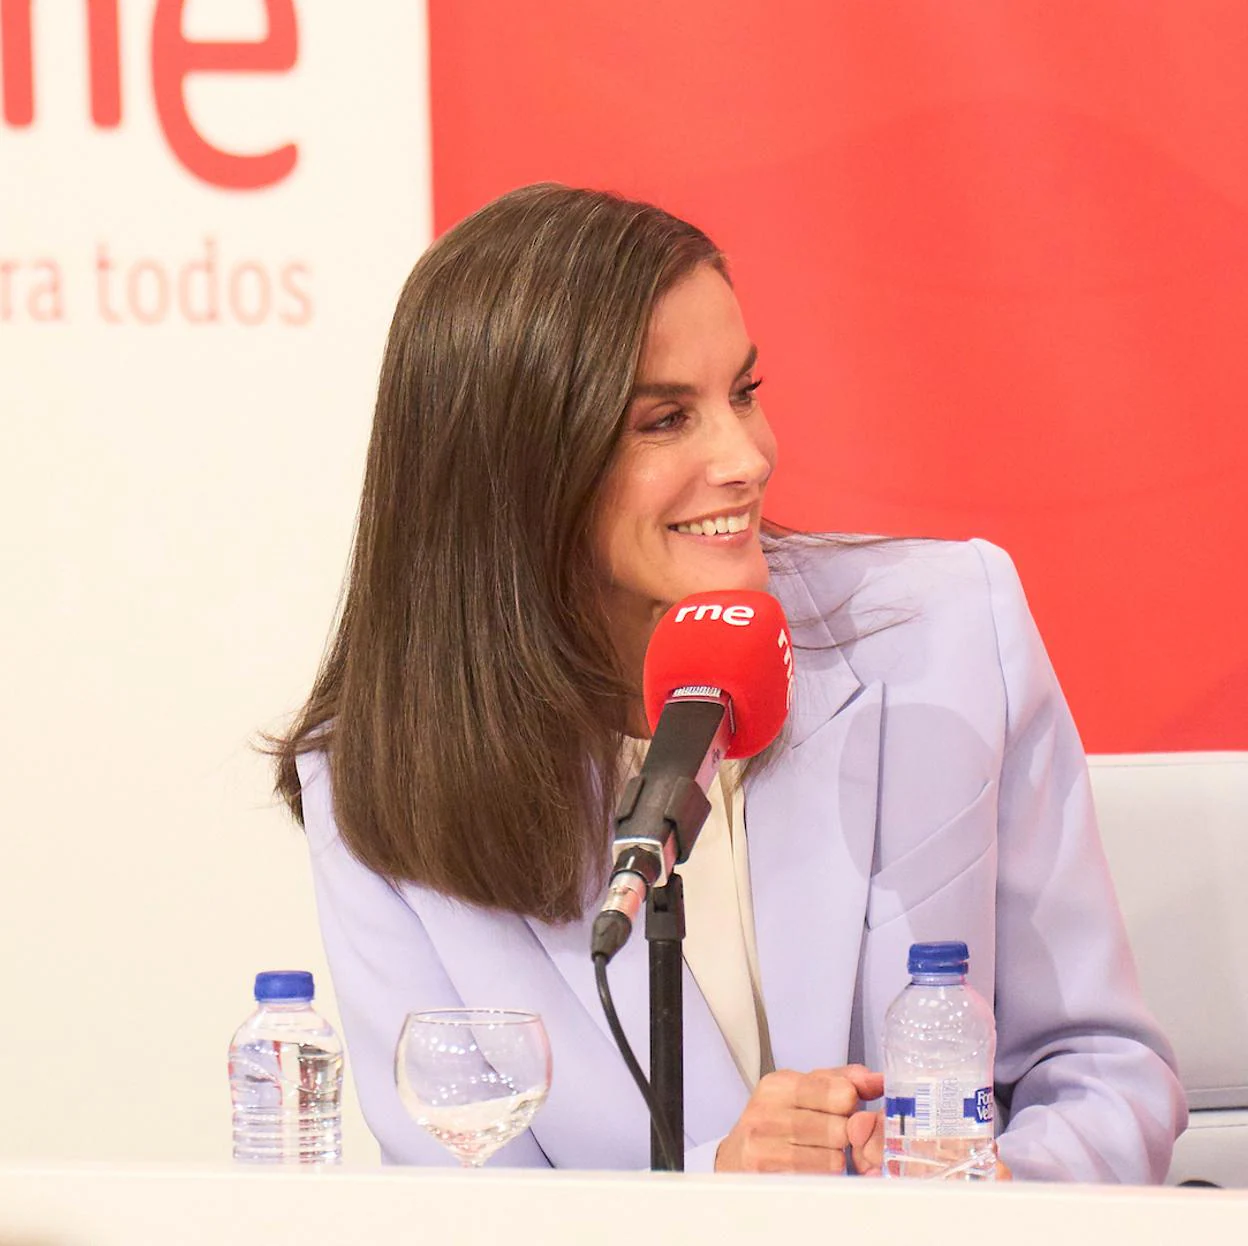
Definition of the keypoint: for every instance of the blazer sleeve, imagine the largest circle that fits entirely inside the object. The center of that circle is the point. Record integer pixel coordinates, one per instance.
(383, 965)
(1085, 1077)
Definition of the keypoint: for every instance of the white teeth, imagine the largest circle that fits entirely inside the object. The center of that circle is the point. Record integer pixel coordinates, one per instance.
(720, 525)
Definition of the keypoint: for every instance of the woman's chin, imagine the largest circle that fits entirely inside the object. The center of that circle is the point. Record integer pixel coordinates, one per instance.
(728, 576)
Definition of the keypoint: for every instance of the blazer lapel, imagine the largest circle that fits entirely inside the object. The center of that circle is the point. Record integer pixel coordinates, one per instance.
(810, 821)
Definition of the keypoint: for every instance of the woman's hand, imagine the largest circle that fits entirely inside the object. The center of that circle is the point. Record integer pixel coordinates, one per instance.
(805, 1122)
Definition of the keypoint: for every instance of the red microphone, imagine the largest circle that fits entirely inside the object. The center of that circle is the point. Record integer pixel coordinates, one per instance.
(735, 642)
(717, 682)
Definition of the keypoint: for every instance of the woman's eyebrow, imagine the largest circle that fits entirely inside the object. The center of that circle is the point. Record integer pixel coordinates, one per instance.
(681, 389)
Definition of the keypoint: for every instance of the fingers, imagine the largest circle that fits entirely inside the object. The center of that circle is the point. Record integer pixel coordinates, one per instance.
(805, 1122)
(865, 1132)
(825, 1090)
(869, 1085)
(753, 1153)
(809, 1159)
(799, 1126)
(818, 1129)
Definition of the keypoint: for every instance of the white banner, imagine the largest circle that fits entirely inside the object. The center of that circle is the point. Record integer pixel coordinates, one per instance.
(206, 212)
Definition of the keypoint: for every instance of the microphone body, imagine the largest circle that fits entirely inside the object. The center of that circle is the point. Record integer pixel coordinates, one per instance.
(717, 681)
(662, 809)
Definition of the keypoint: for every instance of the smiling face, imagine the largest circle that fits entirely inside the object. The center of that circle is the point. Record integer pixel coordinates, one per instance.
(682, 503)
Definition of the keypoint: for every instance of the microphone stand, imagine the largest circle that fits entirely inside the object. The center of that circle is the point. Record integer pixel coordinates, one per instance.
(667, 808)
(665, 930)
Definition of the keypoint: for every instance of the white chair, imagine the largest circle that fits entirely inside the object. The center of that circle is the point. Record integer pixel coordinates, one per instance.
(1175, 828)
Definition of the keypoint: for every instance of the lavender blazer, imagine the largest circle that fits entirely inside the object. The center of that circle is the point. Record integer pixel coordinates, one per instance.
(932, 786)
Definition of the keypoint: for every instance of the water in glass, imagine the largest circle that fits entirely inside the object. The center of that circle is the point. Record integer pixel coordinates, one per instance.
(473, 1077)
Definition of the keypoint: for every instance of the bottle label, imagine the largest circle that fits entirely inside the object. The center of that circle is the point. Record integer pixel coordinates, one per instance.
(979, 1106)
(940, 1107)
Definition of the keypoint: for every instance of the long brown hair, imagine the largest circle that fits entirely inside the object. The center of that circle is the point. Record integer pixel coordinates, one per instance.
(470, 702)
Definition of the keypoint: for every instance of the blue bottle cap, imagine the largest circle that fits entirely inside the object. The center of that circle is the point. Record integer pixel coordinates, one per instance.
(938, 958)
(285, 984)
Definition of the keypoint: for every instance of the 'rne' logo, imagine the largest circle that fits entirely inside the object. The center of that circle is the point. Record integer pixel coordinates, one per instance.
(174, 59)
(737, 616)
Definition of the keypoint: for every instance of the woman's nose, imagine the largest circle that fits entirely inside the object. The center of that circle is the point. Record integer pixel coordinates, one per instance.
(739, 452)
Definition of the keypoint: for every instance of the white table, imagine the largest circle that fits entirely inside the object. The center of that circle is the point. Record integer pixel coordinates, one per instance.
(229, 1206)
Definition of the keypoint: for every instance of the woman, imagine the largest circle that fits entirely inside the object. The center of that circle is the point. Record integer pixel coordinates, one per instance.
(568, 438)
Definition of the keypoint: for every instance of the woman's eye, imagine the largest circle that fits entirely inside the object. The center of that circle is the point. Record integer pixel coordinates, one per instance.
(744, 397)
(666, 422)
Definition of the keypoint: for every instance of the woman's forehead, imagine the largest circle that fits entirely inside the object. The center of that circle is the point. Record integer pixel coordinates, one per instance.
(696, 327)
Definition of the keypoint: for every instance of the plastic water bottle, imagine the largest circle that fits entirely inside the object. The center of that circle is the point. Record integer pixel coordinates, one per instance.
(286, 1077)
(939, 1043)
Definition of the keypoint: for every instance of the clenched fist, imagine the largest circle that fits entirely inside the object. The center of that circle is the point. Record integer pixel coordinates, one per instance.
(805, 1122)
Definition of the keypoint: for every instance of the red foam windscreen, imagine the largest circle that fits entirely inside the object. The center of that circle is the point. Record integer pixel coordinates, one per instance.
(736, 641)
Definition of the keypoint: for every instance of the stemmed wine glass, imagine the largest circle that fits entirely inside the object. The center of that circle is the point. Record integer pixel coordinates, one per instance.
(473, 1077)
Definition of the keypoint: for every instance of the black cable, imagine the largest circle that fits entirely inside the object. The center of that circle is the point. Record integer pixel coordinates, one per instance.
(621, 1041)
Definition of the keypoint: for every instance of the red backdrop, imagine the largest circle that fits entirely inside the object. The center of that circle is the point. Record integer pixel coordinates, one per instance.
(996, 260)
